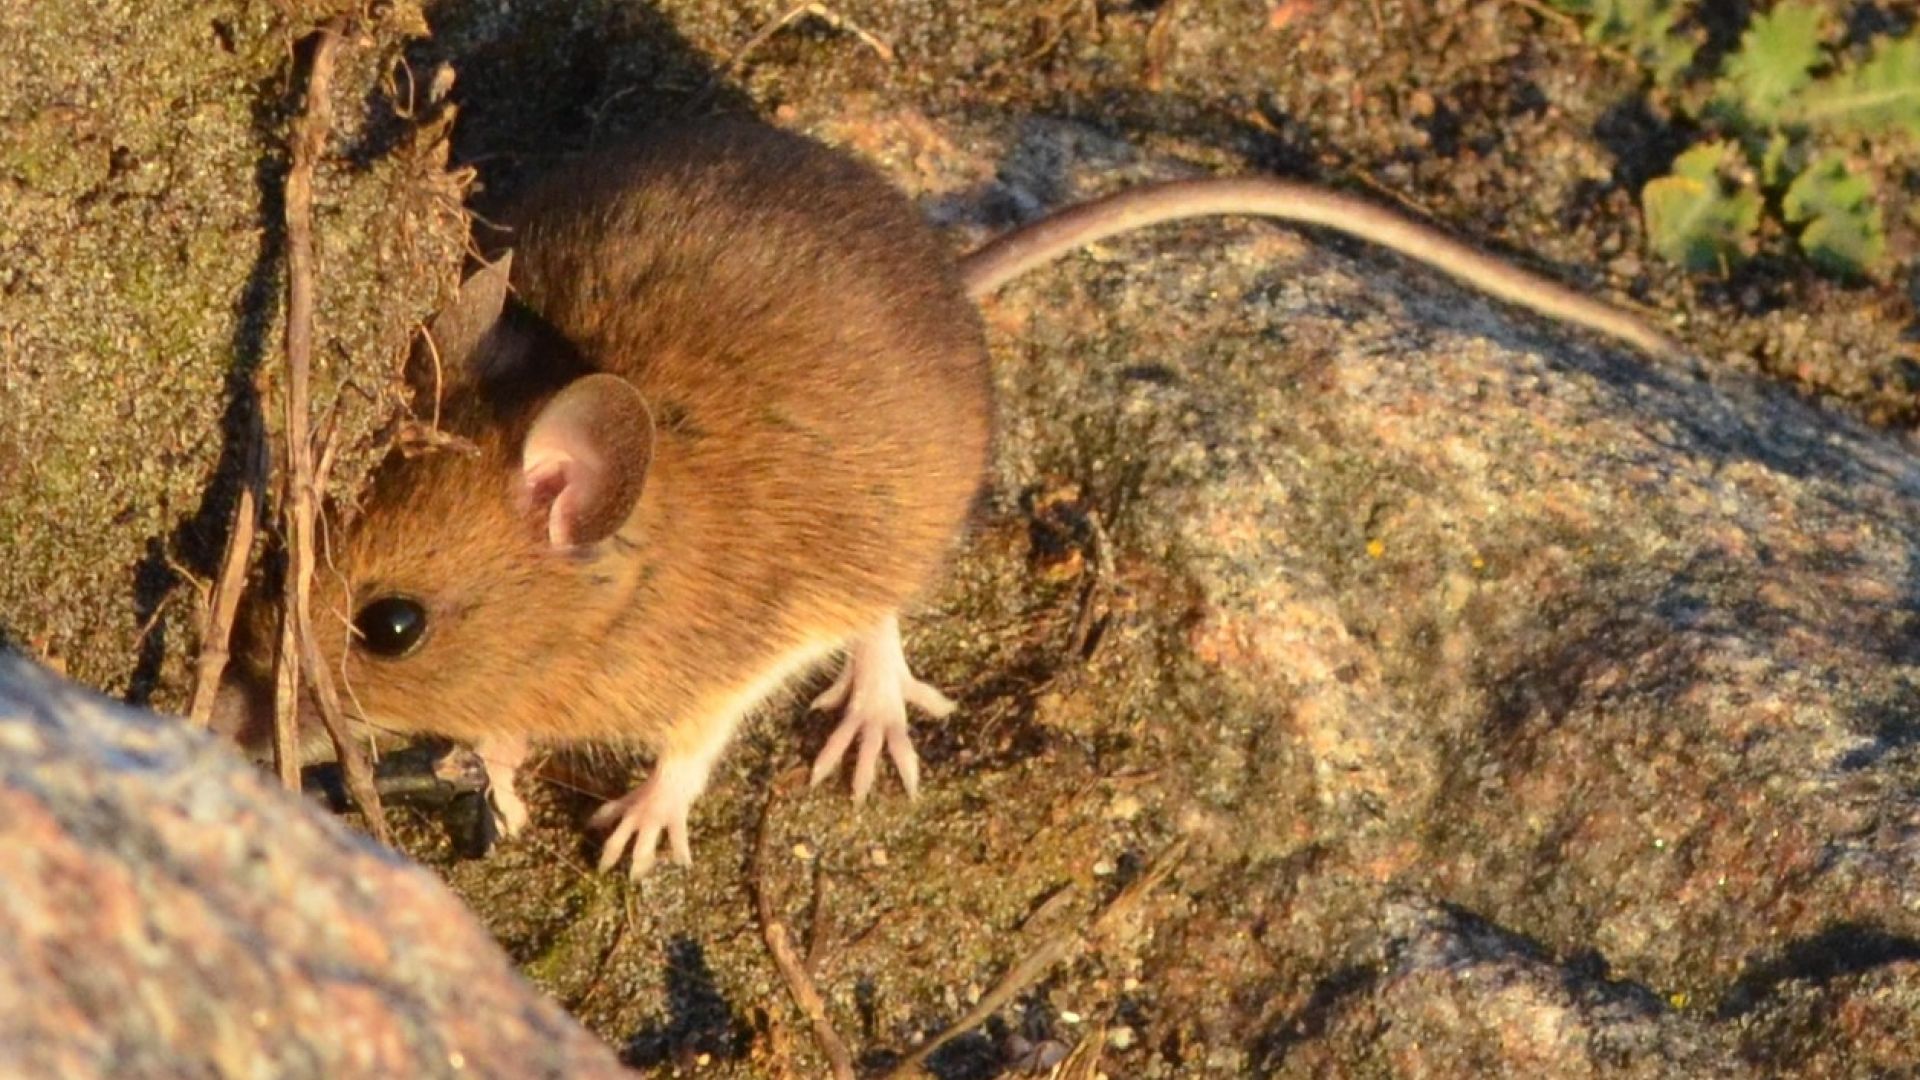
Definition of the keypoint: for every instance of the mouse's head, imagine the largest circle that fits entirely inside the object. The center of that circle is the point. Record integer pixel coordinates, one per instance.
(467, 576)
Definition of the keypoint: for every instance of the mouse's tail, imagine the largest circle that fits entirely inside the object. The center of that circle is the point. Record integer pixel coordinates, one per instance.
(1009, 256)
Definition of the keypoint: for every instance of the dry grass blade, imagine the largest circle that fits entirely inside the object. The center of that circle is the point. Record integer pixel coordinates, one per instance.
(224, 604)
(1160, 43)
(309, 136)
(798, 11)
(780, 943)
(1084, 1062)
(1056, 949)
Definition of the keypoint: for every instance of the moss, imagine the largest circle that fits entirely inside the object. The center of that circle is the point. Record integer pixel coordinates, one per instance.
(138, 203)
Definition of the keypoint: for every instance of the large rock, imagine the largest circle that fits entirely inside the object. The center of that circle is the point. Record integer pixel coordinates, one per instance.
(1537, 709)
(1533, 709)
(1618, 658)
(168, 914)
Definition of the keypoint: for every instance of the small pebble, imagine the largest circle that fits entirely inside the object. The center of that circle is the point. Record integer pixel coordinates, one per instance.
(1068, 1016)
(1103, 868)
(1121, 1038)
(803, 851)
(878, 856)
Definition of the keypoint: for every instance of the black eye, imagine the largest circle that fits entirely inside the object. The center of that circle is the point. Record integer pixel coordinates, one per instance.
(391, 626)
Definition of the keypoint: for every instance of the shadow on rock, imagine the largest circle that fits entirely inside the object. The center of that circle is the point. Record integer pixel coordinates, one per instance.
(1841, 950)
(604, 70)
(700, 1022)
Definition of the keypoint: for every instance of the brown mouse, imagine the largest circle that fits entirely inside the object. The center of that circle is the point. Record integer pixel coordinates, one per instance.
(730, 423)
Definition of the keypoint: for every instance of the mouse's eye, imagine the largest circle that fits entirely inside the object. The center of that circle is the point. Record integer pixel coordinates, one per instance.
(391, 626)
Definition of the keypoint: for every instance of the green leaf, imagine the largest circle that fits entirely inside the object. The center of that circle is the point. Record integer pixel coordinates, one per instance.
(1694, 218)
(1775, 156)
(1843, 233)
(1776, 61)
(1879, 95)
(1646, 29)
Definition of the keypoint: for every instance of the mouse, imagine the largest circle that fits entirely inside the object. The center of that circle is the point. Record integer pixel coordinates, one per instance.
(720, 414)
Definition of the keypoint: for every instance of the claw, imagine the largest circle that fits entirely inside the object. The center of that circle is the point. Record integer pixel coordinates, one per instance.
(836, 695)
(875, 688)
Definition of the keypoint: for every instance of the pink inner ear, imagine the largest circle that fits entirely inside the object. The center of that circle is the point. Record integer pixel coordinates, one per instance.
(561, 485)
(584, 461)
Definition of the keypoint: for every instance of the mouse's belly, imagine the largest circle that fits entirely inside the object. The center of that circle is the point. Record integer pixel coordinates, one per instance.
(659, 697)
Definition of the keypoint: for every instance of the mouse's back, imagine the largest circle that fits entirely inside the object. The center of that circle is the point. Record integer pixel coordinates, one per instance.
(814, 412)
(797, 328)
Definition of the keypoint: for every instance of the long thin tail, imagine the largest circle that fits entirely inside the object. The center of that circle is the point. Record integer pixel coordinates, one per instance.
(1009, 256)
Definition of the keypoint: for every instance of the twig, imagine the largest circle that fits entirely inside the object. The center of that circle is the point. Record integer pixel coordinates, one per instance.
(1572, 25)
(819, 919)
(1412, 205)
(1551, 15)
(1089, 623)
(1058, 21)
(760, 37)
(1057, 949)
(1083, 1063)
(309, 136)
(1160, 43)
(224, 604)
(439, 374)
(799, 984)
(286, 700)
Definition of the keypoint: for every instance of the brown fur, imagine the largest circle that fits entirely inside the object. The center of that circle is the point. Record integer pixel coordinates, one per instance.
(819, 389)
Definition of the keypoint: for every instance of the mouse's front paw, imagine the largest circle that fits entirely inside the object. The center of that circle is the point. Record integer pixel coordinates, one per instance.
(501, 757)
(509, 810)
(874, 689)
(640, 816)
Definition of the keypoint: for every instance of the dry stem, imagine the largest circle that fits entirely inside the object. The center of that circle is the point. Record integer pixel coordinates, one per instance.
(224, 604)
(1059, 948)
(780, 943)
(309, 136)
(807, 7)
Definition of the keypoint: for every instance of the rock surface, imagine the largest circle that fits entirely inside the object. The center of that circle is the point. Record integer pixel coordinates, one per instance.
(142, 157)
(168, 914)
(1539, 711)
(1532, 710)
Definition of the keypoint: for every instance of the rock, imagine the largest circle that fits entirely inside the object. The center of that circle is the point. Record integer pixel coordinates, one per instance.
(168, 913)
(1450, 996)
(1436, 601)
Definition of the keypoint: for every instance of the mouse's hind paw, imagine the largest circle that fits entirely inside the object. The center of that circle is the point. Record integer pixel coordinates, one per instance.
(874, 689)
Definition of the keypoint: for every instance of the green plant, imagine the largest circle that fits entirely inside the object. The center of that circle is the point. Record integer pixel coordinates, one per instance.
(1697, 216)
(1646, 29)
(1789, 126)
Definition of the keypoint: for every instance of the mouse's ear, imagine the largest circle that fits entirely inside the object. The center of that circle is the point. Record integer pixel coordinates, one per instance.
(459, 328)
(585, 459)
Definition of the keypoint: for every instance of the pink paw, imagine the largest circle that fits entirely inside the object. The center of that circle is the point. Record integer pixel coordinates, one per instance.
(875, 688)
(502, 758)
(509, 810)
(657, 807)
